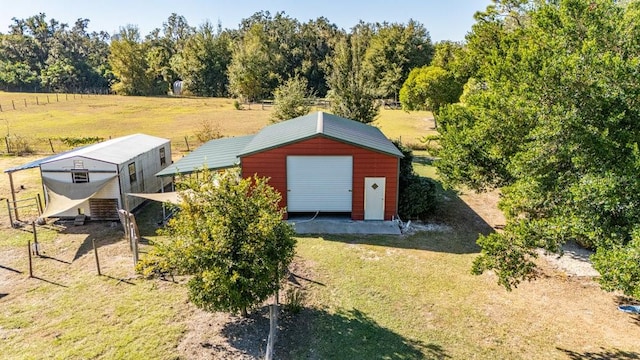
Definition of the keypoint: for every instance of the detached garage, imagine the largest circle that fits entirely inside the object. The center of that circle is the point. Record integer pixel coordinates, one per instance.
(319, 162)
(324, 163)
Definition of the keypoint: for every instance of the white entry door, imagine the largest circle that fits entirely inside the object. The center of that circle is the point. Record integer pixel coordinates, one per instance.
(374, 198)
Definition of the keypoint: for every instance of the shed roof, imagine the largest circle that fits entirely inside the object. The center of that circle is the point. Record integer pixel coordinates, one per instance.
(320, 123)
(215, 154)
(116, 151)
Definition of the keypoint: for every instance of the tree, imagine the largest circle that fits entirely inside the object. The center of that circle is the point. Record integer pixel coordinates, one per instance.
(429, 88)
(291, 100)
(230, 236)
(202, 64)
(554, 123)
(394, 50)
(249, 71)
(352, 92)
(318, 44)
(128, 60)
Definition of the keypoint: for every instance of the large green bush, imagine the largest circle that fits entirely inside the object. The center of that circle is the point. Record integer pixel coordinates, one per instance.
(417, 197)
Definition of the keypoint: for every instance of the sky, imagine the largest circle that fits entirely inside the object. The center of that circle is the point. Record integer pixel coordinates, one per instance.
(444, 19)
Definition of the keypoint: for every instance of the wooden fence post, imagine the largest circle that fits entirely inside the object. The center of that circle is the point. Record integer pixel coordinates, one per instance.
(9, 209)
(273, 327)
(25, 102)
(95, 252)
(57, 97)
(30, 263)
(13, 104)
(48, 100)
(51, 144)
(6, 141)
(0, 108)
(37, 102)
(39, 199)
(35, 239)
(187, 142)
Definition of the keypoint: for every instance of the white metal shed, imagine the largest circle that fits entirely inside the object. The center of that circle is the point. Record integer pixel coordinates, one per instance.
(94, 179)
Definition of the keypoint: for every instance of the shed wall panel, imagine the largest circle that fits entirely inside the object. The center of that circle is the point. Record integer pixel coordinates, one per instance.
(366, 163)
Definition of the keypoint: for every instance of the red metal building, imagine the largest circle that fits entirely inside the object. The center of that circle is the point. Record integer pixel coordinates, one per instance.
(319, 162)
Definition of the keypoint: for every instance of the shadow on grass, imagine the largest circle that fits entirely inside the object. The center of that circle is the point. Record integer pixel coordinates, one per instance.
(10, 269)
(46, 257)
(604, 354)
(317, 334)
(120, 280)
(103, 232)
(49, 281)
(454, 228)
(3, 295)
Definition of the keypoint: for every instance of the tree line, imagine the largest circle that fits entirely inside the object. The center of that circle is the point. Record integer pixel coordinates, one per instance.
(550, 116)
(249, 62)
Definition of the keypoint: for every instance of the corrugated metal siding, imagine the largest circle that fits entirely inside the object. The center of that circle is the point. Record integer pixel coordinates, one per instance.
(366, 163)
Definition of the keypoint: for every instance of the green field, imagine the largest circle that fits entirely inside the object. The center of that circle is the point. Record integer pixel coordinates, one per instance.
(108, 116)
(366, 297)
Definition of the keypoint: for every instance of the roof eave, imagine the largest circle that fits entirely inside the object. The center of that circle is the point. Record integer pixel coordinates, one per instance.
(324, 135)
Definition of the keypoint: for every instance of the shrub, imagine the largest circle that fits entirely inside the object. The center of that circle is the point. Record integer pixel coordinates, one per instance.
(417, 195)
(208, 131)
(19, 145)
(237, 105)
(417, 198)
(294, 300)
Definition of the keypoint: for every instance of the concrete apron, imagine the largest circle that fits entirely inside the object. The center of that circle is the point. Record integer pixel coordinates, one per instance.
(345, 226)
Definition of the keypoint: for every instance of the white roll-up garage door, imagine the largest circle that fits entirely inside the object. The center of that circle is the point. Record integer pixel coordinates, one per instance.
(319, 183)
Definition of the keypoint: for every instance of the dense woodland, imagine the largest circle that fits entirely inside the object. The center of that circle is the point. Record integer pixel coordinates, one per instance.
(250, 61)
(541, 102)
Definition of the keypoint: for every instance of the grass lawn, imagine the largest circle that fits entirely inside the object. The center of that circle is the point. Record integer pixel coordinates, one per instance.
(366, 297)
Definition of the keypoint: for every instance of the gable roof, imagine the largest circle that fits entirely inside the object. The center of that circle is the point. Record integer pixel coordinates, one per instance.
(115, 151)
(324, 124)
(215, 154)
(226, 152)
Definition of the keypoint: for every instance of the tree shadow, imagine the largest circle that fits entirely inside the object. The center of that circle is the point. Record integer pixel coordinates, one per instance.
(3, 295)
(317, 334)
(603, 354)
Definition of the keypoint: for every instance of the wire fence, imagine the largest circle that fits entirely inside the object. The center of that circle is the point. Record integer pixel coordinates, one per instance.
(25, 101)
(22, 145)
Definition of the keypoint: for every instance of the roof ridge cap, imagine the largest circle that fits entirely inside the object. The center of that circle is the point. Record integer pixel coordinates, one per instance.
(320, 123)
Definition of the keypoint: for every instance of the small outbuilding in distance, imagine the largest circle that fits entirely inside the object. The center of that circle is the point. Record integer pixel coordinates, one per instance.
(319, 162)
(93, 180)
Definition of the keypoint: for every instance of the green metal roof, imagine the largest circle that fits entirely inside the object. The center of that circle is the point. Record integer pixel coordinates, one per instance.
(215, 154)
(324, 124)
(224, 153)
